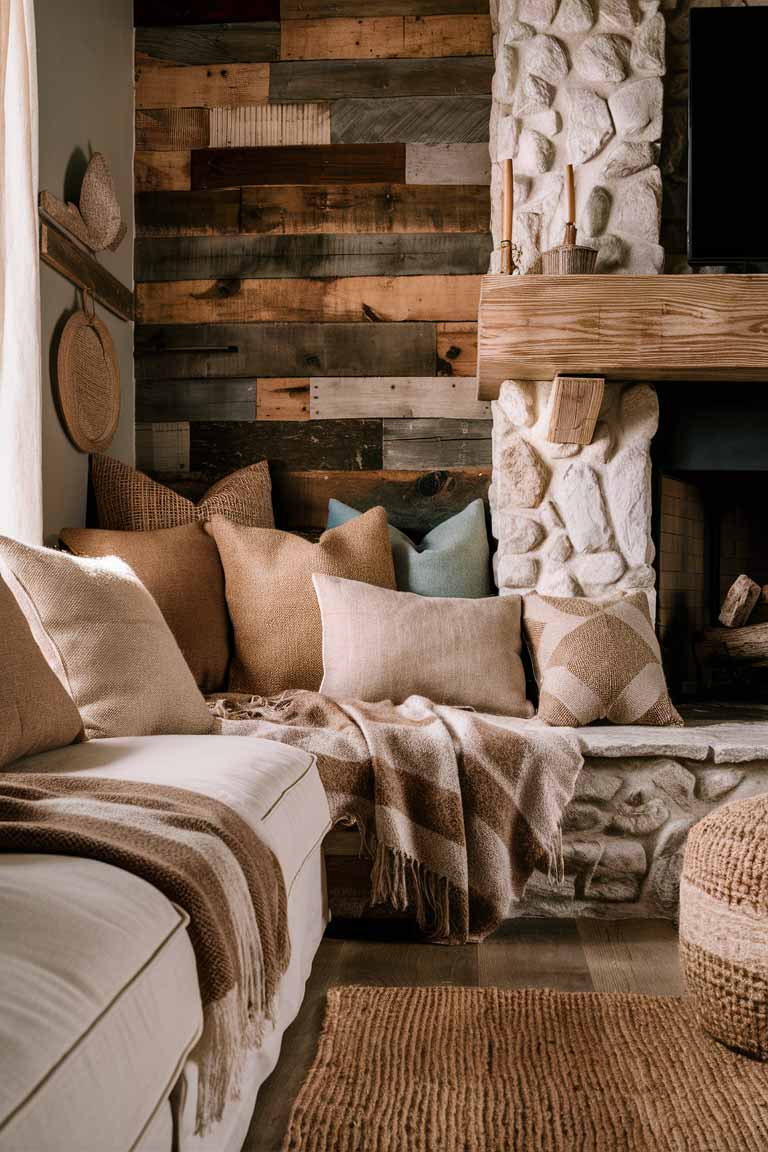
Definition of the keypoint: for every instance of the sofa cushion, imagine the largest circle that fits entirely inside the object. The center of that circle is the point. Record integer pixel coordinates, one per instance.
(105, 638)
(451, 560)
(99, 1003)
(129, 501)
(276, 620)
(181, 568)
(36, 713)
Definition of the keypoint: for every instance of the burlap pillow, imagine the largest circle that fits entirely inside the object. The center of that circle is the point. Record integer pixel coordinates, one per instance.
(382, 645)
(274, 610)
(129, 501)
(105, 638)
(595, 660)
(36, 714)
(182, 570)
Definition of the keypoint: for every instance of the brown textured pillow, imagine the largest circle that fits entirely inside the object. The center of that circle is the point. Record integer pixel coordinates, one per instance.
(105, 638)
(181, 568)
(274, 610)
(595, 660)
(36, 714)
(382, 645)
(129, 501)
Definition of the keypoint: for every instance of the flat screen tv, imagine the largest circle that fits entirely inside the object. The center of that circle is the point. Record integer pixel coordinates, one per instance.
(727, 219)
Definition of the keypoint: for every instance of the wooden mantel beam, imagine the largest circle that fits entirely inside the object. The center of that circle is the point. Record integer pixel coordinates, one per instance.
(624, 327)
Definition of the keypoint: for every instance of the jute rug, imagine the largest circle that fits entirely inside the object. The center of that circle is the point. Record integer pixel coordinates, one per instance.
(506, 1070)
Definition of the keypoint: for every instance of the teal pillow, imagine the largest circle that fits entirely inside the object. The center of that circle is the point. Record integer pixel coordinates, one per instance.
(452, 560)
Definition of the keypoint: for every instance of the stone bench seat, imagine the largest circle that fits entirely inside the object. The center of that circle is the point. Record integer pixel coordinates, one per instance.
(720, 733)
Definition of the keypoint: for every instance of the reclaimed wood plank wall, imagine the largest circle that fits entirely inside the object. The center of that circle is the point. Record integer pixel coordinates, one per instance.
(312, 222)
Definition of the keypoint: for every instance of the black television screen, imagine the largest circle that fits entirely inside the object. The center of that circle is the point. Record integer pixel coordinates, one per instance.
(727, 222)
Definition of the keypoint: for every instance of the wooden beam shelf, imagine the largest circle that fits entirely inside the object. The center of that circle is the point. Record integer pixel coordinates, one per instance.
(84, 271)
(624, 327)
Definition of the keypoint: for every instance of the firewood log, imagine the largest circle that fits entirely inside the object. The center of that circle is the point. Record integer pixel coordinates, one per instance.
(740, 599)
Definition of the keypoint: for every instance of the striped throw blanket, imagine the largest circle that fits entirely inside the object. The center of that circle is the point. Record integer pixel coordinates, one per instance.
(204, 858)
(456, 808)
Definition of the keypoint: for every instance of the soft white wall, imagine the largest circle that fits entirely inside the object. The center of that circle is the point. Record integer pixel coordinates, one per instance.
(85, 79)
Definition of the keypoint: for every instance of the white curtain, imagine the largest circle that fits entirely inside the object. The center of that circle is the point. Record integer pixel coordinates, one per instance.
(21, 502)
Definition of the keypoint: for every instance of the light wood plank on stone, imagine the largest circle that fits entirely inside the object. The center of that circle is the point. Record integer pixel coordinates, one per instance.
(632, 956)
(162, 85)
(282, 398)
(222, 43)
(409, 444)
(254, 125)
(350, 398)
(161, 171)
(411, 120)
(447, 164)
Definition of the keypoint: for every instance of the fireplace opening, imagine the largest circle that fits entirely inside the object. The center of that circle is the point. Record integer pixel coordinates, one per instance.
(710, 490)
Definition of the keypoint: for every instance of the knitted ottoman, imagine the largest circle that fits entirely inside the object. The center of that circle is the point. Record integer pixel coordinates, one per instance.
(724, 924)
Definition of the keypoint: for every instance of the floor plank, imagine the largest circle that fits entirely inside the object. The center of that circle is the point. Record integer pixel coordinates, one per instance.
(535, 954)
(632, 956)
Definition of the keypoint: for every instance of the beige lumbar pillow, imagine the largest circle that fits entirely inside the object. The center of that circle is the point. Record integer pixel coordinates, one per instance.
(105, 638)
(597, 660)
(36, 714)
(382, 645)
(272, 604)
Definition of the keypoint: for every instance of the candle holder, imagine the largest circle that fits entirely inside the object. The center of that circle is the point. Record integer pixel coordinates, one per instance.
(569, 258)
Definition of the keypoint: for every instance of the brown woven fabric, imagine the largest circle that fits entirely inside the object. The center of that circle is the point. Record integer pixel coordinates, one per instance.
(272, 603)
(181, 568)
(724, 923)
(596, 660)
(201, 855)
(456, 809)
(522, 1070)
(36, 714)
(129, 501)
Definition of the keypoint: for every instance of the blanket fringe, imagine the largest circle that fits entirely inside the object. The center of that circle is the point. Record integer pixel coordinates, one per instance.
(555, 859)
(402, 882)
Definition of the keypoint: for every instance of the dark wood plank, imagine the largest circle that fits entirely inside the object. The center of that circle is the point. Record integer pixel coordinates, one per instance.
(430, 443)
(188, 213)
(302, 9)
(211, 43)
(337, 79)
(297, 164)
(366, 208)
(166, 13)
(536, 953)
(171, 129)
(412, 120)
(172, 400)
(187, 352)
(84, 270)
(415, 501)
(269, 257)
(218, 448)
(397, 965)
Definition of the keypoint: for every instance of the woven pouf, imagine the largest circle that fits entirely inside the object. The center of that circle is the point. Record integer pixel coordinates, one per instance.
(724, 924)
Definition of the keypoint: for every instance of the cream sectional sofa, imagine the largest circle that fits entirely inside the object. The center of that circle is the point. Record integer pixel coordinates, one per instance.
(100, 1007)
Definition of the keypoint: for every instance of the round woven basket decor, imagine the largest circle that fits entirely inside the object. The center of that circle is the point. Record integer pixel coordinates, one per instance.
(88, 383)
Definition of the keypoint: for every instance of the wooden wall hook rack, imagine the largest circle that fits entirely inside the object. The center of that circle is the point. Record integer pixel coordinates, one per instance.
(84, 271)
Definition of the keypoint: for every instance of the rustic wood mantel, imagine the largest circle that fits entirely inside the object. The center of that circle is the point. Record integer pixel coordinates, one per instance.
(624, 327)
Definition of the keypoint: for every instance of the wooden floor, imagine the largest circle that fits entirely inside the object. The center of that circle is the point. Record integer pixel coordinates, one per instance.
(575, 956)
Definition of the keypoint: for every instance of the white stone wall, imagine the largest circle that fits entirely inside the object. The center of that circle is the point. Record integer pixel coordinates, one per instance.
(573, 520)
(579, 81)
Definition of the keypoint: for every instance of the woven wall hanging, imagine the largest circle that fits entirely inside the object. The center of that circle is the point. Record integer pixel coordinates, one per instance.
(87, 381)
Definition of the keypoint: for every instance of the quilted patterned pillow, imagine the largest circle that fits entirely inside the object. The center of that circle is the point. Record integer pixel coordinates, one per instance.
(595, 660)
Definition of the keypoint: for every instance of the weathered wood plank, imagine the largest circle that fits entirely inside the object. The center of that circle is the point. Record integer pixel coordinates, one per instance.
(326, 9)
(217, 448)
(171, 129)
(195, 400)
(187, 213)
(343, 300)
(282, 398)
(161, 13)
(345, 398)
(456, 349)
(385, 37)
(183, 352)
(411, 119)
(448, 164)
(410, 444)
(162, 85)
(415, 501)
(161, 171)
(369, 208)
(255, 125)
(335, 79)
(84, 270)
(322, 164)
(163, 447)
(269, 257)
(212, 43)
